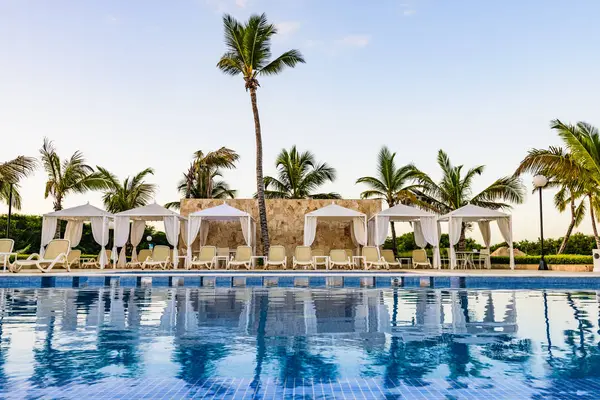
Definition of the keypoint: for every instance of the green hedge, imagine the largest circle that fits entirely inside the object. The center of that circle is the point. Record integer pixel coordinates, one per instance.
(550, 259)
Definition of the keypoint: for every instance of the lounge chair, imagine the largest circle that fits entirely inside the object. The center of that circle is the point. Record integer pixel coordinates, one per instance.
(303, 257)
(318, 258)
(388, 256)
(6, 250)
(142, 256)
(74, 258)
(56, 254)
(95, 261)
(339, 258)
(419, 258)
(206, 258)
(161, 258)
(373, 259)
(484, 254)
(243, 258)
(277, 257)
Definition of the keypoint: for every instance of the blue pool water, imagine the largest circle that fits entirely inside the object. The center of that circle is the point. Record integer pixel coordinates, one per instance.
(294, 342)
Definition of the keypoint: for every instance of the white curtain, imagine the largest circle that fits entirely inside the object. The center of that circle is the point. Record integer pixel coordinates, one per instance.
(379, 230)
(454, 229)
(172, 232)
(100, 233)
(310, 230)
(48, 232)
(430, 229)
(193, 226)
(183, 232)
(353, 235)
(486, 233)
(73, 232)
(137, 233)
(359, 230)
(121, 235)
(418, 233)
(246, 230)
(505, 225)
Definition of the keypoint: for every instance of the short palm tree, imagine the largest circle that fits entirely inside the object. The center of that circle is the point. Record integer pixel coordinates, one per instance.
(455, 190)
(298, 176)
(133, 192)
(11, 172)
(249, 54)
(393, 184)
(71, 175)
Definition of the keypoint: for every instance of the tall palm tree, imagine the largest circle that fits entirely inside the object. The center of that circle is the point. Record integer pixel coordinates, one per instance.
(392, 184)
(249, 54)
(71, 175)
(133, 192)
(455, 190)
(298, 176)
(11, 172)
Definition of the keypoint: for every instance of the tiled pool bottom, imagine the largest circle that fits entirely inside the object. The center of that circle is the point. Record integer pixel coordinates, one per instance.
(262, 342)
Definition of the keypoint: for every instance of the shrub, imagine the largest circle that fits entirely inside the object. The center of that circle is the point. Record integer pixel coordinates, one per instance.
(550, 259)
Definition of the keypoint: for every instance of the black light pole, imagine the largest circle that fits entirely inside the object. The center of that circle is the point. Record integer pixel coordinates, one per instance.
(539, 181)
(10, 195)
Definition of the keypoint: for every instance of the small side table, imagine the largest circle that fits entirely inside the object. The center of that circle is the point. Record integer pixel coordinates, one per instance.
(359, 261)
(7, 258)
(324, 259)
(221, 258)
(179, 259)
(407, 259)
(255, 258)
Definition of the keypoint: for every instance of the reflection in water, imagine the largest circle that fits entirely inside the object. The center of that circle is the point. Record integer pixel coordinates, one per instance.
(56, 337)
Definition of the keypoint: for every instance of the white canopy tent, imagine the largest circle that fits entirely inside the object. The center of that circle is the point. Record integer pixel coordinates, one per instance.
(426, 228)
(198, 224)
(333, 212)
(483, 216)
(75, 218)
(139, 216)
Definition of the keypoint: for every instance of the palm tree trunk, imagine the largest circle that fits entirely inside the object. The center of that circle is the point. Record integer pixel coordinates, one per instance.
(563, 245)
(395, 245)
(462, 242)
(594, 228)
(260, 185)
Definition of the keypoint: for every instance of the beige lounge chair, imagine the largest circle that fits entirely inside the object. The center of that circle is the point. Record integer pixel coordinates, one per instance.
(142, 256)
(303, 257)
(339, 258)
(317, 258)
(388, 256)
(277, 257)
(206, 258)
(95, 262)
(243, 258)
(56, 254)
(373, 259)
(419, 258)
(6, 250)
(484, 254)
(74, 258)
(161, 258)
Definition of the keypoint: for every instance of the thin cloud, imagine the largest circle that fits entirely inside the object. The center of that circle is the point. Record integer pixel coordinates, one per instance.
(111, 19)
(287, 28)
(408, 13)
(354, 41)
(241, 3)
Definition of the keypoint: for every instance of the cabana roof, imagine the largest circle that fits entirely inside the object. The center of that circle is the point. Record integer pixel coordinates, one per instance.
(82, 212)
(221, 212)
(471, 212)
(151, 212)
(333, 211)
(401, 212)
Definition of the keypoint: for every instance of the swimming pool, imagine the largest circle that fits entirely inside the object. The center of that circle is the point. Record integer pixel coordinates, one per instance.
(323, 342)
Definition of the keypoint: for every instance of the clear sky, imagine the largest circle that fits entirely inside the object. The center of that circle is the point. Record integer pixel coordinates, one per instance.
(133, 84)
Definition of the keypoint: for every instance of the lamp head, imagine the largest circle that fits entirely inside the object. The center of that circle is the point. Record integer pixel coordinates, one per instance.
(539, 181)
(149, 238)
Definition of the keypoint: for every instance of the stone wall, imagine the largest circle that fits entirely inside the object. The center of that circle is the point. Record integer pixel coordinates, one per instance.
(286, 223)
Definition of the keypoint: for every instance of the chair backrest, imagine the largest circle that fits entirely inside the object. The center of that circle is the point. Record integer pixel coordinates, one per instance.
(303, 253)
(207, 253)
(349, 253)
(55, 247)
(161, 253)
(419, 256)
(108, 254)
(448, 252)
(144, 254)
(6, 245)
(388, 255)
(370, 253)
(318, 253)
(223, 251)
(484, 252)
(243, 253)
(74, 256)
(276, 253)
(338, 255)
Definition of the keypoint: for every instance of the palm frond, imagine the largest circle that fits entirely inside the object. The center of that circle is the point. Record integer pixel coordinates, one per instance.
(290, 59)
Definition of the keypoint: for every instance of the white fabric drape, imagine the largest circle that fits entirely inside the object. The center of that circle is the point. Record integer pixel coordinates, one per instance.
(73, 232)
(505, 226)
(454, 229)
(310, 230)
(100, 233)
(137, 234)
(121, 235)
(430, 229)
(379, 230)
(353, 235)
(172, 233)
(359, 231)
(418, 233)
(246, 230)
(486, 234)
(183, 232)
(48, 232)
(193, 227)
(204, 232)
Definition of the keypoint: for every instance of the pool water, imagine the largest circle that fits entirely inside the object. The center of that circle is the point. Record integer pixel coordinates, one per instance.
(317, 343)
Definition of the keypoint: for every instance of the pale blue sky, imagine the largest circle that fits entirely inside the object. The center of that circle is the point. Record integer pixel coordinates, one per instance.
(133, 84)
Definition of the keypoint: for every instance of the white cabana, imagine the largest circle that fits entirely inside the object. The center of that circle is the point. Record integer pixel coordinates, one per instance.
(198, 224)
(139, 216)
(333, 212)
(483, 216)
(425, 225)
(75, 218)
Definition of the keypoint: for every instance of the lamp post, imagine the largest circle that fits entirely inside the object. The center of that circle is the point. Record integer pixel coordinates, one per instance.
(10, 200)
(149, 240)
(540, 181)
